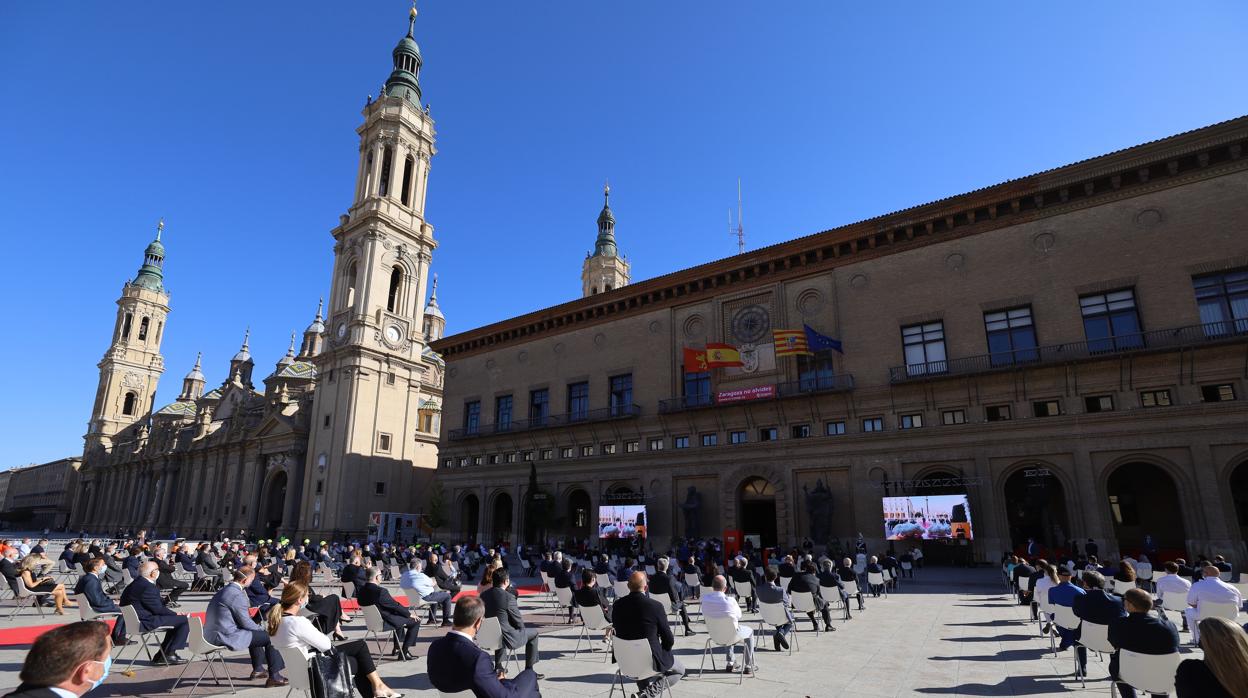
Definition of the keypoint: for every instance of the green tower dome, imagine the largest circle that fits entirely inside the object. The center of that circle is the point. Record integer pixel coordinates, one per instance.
(152, 275)
(404, 80)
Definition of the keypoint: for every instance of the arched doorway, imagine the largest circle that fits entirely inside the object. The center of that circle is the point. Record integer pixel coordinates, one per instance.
(578, 522)
(1144, 501)
(502, 518)
(1239, 494)
(758, 511)
(1035, 507)
(470, 515)
(274, 503)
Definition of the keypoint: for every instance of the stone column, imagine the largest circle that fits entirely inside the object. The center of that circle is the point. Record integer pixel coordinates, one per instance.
(1208, 508)
(294, 492)
(166, 498)
(1089, 508)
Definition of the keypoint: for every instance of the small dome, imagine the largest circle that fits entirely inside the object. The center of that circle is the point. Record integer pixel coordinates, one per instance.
(432, 309)
(408, 45)
(195, 374)
(155, 249)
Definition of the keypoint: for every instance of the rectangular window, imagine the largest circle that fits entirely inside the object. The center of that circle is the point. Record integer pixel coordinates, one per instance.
(800, 431)
(320, 484)
(578, 401)
(710, 439)
(949, 417)
(834, 428)
(697, 389)
(463, 462)
(924, 346)
(1110, 321)
(565, 452)
(390, 378)
(815, 372)
(997, 413)
(326, 423)
(383, 443)
(495, 459)
(548, 453)
(608, 449)
(1011, 336)
(331, 375)
(1155, 398)
(539, 406)
(736, 437)
(680, 442)
(768, 434)
(379, 488)
(448, 463)
(1046, 408)
(621, 401)
(656, 444)
(873, 424)
(512, 457)
(632, 446)
(1098, 403)
(1223, 302)
(527, 456)
(477, 460)
(502, 413)
(910, 421)
(587, 451)
(472, 417)
(1221, 392)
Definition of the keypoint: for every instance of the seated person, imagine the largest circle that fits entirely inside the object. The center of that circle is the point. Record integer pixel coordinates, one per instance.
(1224, 668)
(166, 580)
(66, 662)
(717, 605)
(456, 663)
(446, 576)
(807, 582)
(227, 623)
(144, 596)
(770, 592)
(639, 617)
(414, 580)
(393, 614)
(89, 586)
(1140, 631)
(1210, 589)
(663, 583)
(1096, 606)
(590, 594)
(27, 570)
(502, 605)
(353, 575)
(1177, 587)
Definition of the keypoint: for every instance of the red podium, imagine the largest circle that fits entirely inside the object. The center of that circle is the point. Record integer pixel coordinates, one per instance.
(732, 543)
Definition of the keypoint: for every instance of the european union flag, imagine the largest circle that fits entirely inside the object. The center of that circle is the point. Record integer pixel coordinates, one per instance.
(818, 342)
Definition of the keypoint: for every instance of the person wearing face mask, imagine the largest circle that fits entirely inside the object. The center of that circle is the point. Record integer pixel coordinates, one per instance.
(143, 594)
(66, 662)
(457, 664)
(89, 585)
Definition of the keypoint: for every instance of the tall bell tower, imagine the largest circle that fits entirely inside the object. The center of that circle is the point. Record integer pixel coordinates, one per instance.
(132, 365)
(361, 448)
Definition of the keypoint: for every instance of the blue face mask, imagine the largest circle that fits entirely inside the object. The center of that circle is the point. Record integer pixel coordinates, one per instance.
(108, 664)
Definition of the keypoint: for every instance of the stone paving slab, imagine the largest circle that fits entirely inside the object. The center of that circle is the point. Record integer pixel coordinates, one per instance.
(946, 633)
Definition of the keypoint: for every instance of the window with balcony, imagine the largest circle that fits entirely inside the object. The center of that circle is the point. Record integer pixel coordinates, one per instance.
(1223, 302)
(737, 437)
(578, 401)
(1155, 398)
(998, 413)
(800, 431)
(621, 398)
(710, 439)
(950, 417)
(815, 372)
(472, 417)
(502, 413)
(697, 389)
(1111, 321)
(1098, 403)
(924, 346)
(872, 424)
(910, 421)
(1221, 392)
(1011, 336)
(1046, 408)
(539, 406)
(768, 434)
(834, 428)
(656, 444)
(680, 442)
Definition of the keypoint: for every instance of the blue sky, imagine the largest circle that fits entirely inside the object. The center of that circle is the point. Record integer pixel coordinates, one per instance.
(235, 121)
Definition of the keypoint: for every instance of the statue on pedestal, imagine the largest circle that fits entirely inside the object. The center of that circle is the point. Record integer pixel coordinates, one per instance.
(819, 509)
(692, 506)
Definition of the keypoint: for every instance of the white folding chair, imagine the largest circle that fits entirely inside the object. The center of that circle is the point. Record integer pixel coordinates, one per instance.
(852, 591)
(490, 639)
(723, 633)
(377, 628)
(804, 602)
(296, 670)
(1208, 609)
(1121, 587)
(202, 648)
(775, 615)
(135, 631)
(703, 591)
(592, 620)
(634, 661)
(666, 602)
(1149, 673)
(620, 588)
(876, 580)
(694, 582)
(784, 582)
(650, 570)
(23, 595)
(1095, 637)
(745, 590)
(1173, 601)
(1066, 620)
(415, 603)
(1225, 576)
(604, 582)
(564, 597)
(85, 611)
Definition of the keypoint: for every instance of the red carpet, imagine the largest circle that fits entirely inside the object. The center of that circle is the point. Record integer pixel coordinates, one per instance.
(11, 637)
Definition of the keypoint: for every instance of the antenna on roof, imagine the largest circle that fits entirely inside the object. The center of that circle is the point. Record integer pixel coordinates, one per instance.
(739, 232)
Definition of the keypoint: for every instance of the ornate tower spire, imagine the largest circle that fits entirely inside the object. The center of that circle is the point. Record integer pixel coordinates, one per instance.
(435, 321)
(193, 383)
(312, 336)
(404, 80)
(151, 275)
(289, 358)
(604, 269)
(241, 365)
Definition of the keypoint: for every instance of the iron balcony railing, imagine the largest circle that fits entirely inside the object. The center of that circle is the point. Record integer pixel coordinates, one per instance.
(1156, 340)
(805, 386)
(604, 414)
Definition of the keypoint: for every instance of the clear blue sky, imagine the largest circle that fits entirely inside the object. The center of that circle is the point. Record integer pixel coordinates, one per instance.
(235, 121)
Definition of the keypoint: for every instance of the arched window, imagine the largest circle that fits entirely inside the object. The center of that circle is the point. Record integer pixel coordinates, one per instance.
(348, 299)
(395, 297)
(143, 329)
(125, 326)
(593, 291)
(383, 188)
(405, 195)
(160, 328)
(128, 407)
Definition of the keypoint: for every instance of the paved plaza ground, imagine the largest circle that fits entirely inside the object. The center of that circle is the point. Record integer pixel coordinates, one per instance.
(948, 632)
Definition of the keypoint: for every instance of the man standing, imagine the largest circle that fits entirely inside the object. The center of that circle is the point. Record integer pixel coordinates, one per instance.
(417, 582)
(66, 662)
(638, 617)
(1211, 589)
(89, 586)
(227, 623)
(717, 605)
(1140, 632)
(456, 664)
(395, 616)
(144, 596)
(770, 592)
(500, 604)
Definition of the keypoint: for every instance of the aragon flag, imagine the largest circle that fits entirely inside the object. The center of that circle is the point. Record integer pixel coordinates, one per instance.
(791, 343)
(722, 356)
(695, 361)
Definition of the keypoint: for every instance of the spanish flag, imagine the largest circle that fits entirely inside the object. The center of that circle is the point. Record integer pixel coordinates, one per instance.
(722, 356)
(791, 343)
(695, 361)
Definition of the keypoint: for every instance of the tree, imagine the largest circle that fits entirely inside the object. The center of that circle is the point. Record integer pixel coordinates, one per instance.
(435, 517)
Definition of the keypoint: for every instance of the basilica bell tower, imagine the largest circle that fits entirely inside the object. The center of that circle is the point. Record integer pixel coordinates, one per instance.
(362, 455)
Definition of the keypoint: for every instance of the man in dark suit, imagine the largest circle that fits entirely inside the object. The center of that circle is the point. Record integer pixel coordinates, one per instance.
(395, 615)
(1140, 631)
(207, 560)
(144, 596)
(1022, 569)
(846, 574)
(740, 574)
(133, 560)
(1097, 607)
(457, 664)
(8, 568)
(770, 592)
(601, 567)
(590, 594)
(446, 578)
(500, 604)
(166, 580)
(68, 660)
(829, 578)
(662, 583)
(353, 574)
(89, 585)
(787, 569)
(806, 581)
(257, 593)
(638, 617)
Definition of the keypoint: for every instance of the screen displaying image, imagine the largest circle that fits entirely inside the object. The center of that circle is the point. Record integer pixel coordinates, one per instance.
(927, 517)
(625, 522)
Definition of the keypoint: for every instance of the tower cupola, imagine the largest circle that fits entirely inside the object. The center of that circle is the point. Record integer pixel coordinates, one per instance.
(312, 336)
(604, 246)
(193, 383)
(404, 80)
(241, 365)
(604, 269)
(151, 275)
(435, 321)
